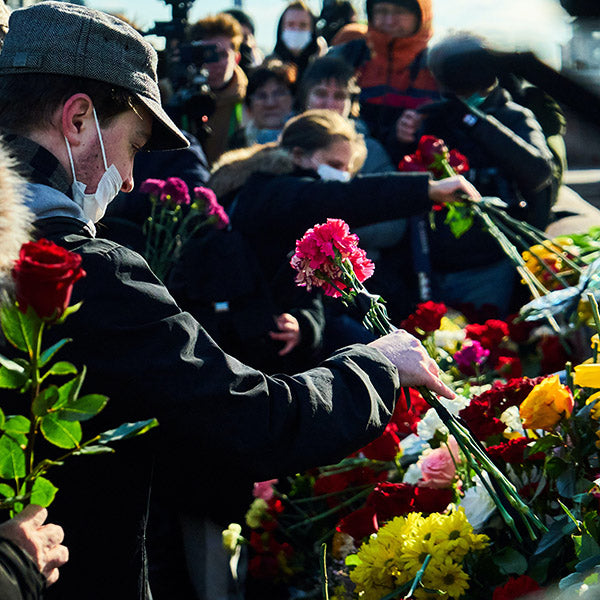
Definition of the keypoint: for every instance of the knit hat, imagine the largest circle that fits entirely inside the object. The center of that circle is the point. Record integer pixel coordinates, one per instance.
(67, 39)
(462, 63)
(412, 5)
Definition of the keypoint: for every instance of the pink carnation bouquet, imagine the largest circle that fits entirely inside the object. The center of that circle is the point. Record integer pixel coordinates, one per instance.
(175, 218)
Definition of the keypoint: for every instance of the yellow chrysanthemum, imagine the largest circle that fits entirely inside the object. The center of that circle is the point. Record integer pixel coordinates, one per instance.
(448, 576)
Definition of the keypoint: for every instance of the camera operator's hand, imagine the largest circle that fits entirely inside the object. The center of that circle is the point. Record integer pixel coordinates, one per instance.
(452, 189)
(42, 542)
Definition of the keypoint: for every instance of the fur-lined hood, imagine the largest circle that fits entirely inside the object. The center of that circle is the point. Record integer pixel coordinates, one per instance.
(234, 168)
(15, 219)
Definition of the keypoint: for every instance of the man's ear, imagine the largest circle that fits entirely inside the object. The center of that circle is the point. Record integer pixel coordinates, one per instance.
(238, 57)
(77, 112)
(300, 158)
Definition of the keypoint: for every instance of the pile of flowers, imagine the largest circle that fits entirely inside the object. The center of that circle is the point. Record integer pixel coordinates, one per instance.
(175, 218)
(438, 503)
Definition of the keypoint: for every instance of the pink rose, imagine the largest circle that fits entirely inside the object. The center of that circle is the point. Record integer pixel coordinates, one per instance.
(264, 489)
(438, 468)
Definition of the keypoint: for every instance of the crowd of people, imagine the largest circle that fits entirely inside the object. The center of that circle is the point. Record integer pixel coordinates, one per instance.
(289, 380)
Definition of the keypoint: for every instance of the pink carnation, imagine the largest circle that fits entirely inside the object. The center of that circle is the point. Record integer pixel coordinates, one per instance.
(319, 255)
(153, 187)
(264, 489)
(438, 467)
(212, 207)
(175, 191)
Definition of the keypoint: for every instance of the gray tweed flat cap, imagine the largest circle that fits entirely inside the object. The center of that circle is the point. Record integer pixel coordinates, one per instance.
(67, 39)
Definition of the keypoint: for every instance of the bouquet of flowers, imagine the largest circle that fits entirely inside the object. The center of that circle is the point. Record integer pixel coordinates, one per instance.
(44, 277)
(175, 218)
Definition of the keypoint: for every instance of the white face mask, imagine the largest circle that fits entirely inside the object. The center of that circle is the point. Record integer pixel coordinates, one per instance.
(94, 205)
(296, 40)
(327, 173)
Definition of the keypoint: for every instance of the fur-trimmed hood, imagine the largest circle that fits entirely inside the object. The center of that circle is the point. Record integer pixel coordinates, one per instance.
(15, 219)
(234, 168)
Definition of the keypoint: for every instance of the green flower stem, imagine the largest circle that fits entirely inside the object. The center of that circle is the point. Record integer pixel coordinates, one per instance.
(525, 246)
(324, 579)
(331, 511)
(35, 390)
(539, 237)
(535, 287)
(331, 494)
(595, 311)
(417, 578)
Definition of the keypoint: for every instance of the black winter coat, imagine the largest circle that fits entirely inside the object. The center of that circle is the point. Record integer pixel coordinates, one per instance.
(20, 579)
(219, 421)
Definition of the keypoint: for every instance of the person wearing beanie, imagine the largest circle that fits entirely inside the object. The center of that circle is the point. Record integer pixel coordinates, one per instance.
(508, 158)
(390, 60)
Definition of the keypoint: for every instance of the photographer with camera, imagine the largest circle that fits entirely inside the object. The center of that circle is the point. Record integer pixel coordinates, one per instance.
(220, 37)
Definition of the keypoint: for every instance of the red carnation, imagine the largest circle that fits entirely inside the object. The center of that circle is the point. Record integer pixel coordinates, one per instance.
(212, 208)
(44, 276)
(458, 162)
(490, 334)
(431, 149)
(516, 587)
(427, 318)
(386, 446)
(509, 366)
(360, 523)
(513, 451)
(430, 500)
(411, 163)
(390, 500)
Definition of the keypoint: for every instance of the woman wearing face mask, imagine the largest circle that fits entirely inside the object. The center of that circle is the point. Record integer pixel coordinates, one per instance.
(277, 191)
(297, 40)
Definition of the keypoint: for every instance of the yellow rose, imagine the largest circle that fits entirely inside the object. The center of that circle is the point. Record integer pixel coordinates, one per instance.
(546, 404)
(588, 375)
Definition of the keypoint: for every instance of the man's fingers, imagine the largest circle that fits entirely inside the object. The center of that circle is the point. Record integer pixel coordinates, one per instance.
(52, 534)
(33, 513)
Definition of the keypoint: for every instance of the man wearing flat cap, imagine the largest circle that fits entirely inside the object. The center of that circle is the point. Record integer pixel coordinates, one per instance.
(78, 100)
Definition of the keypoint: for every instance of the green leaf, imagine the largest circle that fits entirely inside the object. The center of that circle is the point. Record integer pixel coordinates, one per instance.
(45, 400)
(12, 374)
(70, 390)
(62, 368)
(93, 450)
(352, 560)
(12, 458)
(510, 561)
(459, 218)
(127, 430)
(555, 467)
(84, 408)
(543, 445)
(2, 420)
(585, 547)
(64, 434)
(6, 491)
(43, 492)
(17, 424)
(20, 329)
(68, 311)
(47, 354)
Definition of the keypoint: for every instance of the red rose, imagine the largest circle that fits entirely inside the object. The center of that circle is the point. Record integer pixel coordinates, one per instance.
(513, 451)
(519, 331)
(386, 446)
(411, 163)
(516, 587)
(554, 355)
(490, 334)
(430, 500)
(458, 162)
(44, 276)
(360, 523)
(431, 149)
(390, 500)
(509, 366)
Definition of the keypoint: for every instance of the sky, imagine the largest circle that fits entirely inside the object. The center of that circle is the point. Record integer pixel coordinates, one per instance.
(538, 25)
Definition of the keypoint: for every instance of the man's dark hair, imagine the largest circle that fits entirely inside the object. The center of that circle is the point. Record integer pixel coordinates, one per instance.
(275, 70)
(242, 18)
(326, 68)
(29, 100)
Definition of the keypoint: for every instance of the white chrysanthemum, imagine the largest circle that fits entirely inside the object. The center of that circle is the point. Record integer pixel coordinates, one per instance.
(431, 423)
(448, 340)
(478, 505)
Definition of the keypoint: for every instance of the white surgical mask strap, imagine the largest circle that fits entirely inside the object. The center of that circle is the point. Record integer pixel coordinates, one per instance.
(100, 138)
(70, 158)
